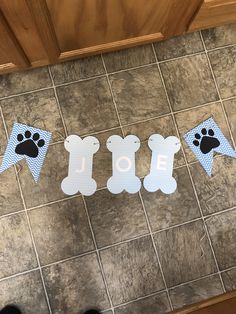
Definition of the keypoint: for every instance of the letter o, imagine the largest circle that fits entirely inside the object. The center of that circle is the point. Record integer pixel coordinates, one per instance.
(118, 164)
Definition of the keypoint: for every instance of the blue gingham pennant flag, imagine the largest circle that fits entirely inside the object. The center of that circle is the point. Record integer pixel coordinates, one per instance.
(204, 140)
(29, 143)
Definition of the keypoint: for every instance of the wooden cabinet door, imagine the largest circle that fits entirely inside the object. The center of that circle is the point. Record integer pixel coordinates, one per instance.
(11, 54)
(92, 26)
(214, 13)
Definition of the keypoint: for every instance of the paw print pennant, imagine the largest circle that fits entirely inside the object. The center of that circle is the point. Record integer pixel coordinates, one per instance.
(204, 140)
(29, 143)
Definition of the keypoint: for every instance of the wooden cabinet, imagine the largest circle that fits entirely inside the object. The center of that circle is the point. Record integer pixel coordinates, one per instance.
(39, 32)
(214, 13)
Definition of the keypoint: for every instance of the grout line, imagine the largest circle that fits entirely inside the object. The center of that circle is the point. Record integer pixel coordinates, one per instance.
(194, 280)
(192, 182)
(28, 221)
(68, 259)
(19, 274)
(57, 101)
(140, 196)
(54, 202)
(25, 93)
(112, 94)
(218, 91)
(217, 48)
(129, 68)
(219, 212)
(80, 80)
(180, 57)
(98, 255)
(139, 298)
(156, 252)
(12, 214)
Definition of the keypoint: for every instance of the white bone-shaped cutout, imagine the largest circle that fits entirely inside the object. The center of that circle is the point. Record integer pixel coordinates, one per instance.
(79, 177)
(123, 164)
(160, 176)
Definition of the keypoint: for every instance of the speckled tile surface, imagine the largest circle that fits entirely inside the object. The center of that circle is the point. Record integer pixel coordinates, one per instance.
(178, 46)
(63, 254)
(189, 82)
(174, 246)
(196, 291)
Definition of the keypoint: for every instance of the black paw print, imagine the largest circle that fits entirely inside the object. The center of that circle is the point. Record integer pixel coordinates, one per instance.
(30, 145)
(206, 141)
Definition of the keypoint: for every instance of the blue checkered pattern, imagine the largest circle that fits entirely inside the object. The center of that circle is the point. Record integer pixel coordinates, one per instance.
(11, 157)
(206, 160)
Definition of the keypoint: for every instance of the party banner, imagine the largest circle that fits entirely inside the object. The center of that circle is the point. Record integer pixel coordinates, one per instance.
(79, 177)
(123, 164)
(204, 140)
(160, 176)
(28, 143)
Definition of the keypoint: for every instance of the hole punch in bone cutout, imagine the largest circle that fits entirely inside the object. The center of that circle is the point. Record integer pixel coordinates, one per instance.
(79, 177)
(123, 164)
(160, 176)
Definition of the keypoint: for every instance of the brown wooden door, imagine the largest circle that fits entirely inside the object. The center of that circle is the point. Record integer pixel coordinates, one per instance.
(11, 53)
(85, 26)
(214, 13)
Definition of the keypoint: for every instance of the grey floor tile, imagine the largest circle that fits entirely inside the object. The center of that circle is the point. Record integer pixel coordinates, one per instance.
(20, 82)
(230, 108)
(16, 247)
(131, 270)
(229, 279)
(26, 291)
(10, 198)
(76, 285)
(191, 118)
(157, 304)
(48, 187)
(128, 58)
(189, 82)
(217, 192)
(77, 69)
(116, 218)
(219, 36)
(178, 46)
(223, 236)
(188, 247)
(3, 139)
(37, 109)
(167, 210)
(61, 230)
(139, 94)
(223, 63)
(196, 291)
(87, 106)
(102, 164)
(164, 126)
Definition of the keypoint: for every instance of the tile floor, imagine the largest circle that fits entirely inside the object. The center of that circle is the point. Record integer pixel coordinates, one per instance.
(126, 254)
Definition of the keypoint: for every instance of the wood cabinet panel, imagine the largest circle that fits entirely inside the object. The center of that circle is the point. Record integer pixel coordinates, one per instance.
(11, 52)
(86, 23)
(19, 18)
(214, 13)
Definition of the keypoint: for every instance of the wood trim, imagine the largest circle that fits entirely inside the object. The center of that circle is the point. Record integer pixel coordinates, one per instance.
(206, 304)
(43, 23)
(10, 47)
(116, 45)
